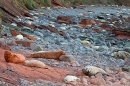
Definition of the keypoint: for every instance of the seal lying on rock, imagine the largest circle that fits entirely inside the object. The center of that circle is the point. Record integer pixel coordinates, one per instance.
(92, 70)
(121, 55)
(13, 57)
(70, 78)
(48, 54)
(35, 63)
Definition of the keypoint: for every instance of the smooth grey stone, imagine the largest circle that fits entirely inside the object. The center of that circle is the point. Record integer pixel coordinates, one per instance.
(102, 48)
(35, 47)
(127, 49)
(126, 68)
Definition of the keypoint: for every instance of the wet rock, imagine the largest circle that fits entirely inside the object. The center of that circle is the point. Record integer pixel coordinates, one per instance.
(86, 23)
(126, 68)
(108, 71)
(25, 43)
(52, 29)
(3, 44)
(35, 47)
(85, 42)
(52, 25)
(127, 49)
(98, 80)
(125, 16)
(105, 26)
(14, 32)
(103, 48)
(79, 73)
(110, 78)
(123, 81)
(100, 17)
(102, 20)
(63, 28)
(75, 64)
(30, 37)
(127, 62)
(124, 75)
(97, 29)
(95, 47)
(68, 58)
(30, 22)
(121, 33)
(117, 83)
(21, 24)
(11, 42)
(85, 81)
(14, 24)
(64, 19)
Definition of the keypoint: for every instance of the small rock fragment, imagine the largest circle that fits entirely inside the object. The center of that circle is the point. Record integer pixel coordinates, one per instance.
(85, 82)
(127, 49)
(103, 48)
(64, 19)
(25, 43)
(35, 47)
(19, 37)
(123, 81)
(85, 42)
(108, 71)
(98, 81)
(75, 64)
(11, 43)
(68, 58)
(86, 23)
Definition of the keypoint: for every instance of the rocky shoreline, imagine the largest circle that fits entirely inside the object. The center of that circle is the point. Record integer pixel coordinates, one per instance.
(94, 41)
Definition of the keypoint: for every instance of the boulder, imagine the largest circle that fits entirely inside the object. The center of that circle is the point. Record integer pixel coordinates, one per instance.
(64, 19)
(86, 23)
(68, 58)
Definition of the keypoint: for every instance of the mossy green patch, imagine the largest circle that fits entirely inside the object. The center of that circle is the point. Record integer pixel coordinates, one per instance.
(30, 4)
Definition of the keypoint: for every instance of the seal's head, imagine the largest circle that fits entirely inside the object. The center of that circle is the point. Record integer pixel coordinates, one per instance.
(13, 57)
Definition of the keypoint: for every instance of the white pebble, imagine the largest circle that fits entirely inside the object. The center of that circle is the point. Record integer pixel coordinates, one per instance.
(62, 28)
(14, 24)
(81, 14)
(48, 8)
(52, 25)
(29, 22)
(19, 37)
